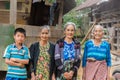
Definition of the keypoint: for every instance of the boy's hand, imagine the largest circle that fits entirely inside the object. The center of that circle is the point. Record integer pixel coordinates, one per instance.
(13, 59)
(13, 62)
(21, 65)
(22, 61)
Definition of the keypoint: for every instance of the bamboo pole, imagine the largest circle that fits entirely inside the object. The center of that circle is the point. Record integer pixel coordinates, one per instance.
(89, 31)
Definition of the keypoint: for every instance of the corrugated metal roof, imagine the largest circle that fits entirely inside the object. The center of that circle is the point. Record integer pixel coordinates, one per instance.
(86, 4)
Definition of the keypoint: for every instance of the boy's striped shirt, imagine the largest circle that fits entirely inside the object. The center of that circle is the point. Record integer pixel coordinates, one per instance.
(13, 52)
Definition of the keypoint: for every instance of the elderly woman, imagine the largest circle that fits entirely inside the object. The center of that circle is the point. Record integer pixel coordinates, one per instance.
(67, 54)
(96, 58)
(42, 57)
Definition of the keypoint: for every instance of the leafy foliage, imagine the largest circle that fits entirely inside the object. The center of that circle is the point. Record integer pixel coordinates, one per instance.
(51, 1)
(80, 18)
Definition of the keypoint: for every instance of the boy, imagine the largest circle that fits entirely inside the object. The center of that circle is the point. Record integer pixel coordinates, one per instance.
(16, 56)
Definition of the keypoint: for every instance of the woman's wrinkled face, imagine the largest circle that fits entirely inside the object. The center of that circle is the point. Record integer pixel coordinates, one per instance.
(98, 32)
(44, 34)
(69, 31)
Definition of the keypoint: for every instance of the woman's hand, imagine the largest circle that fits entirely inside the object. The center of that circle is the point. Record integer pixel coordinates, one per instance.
(33, 77)
(53, 77)
(71, 74)
(83, 76)
(66, 75)
(21, 65)
(108, 77)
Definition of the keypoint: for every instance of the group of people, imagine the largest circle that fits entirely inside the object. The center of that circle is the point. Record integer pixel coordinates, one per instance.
(60, 61)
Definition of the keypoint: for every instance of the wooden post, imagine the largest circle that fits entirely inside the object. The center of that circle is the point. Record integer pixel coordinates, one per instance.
(13, 11)
(61, 14)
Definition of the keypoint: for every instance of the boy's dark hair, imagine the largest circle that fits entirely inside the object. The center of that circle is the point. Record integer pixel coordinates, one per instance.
(21, 30)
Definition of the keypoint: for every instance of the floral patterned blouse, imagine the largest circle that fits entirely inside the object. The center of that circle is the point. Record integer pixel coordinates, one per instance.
(42, 72)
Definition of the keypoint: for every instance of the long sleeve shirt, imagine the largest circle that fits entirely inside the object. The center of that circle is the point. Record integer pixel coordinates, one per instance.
(101, 52)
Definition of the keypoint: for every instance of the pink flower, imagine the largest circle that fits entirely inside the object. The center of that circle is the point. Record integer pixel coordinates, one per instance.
(40, 76)
(41, 58)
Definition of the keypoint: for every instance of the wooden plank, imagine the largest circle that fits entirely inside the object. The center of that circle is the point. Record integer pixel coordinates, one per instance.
(13, 11)
(116, 52)
(116, 63)
(60, 14)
